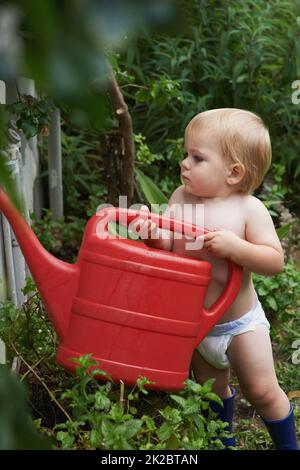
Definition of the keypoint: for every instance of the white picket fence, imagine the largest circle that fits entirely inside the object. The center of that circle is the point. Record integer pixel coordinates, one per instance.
(23, 162)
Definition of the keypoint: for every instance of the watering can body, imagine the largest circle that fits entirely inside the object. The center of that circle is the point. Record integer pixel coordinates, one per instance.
(138, 311)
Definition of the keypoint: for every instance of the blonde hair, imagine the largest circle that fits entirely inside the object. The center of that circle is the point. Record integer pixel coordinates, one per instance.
(243, 138)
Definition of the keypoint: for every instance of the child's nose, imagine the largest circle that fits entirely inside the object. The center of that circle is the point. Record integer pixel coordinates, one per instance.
(186, 163)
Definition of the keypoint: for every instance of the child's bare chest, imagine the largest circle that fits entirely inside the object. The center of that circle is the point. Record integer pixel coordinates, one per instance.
(227, 214)
(213, 216)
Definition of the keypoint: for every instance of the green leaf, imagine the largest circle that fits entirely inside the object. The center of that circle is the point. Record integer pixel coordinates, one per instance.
(262, 291)
(193, 386)
(191, 407)
(130, 428)
(101, 401)
(116, 412)
(181, 401)
(237, 71)
(272, 303)
(198, 420)
(284, 230)
(207, 386)
(214, 397)
(165, 431)
(242, 78)
(171, 414)
(149, 422)
(8, 184)
(95, 437)
(66, 440)
(212, 427)
(152, 193)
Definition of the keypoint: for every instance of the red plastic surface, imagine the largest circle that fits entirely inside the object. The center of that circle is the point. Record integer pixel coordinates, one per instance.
(137, 310)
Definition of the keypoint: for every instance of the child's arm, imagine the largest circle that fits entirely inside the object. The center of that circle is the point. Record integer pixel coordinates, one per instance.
(261, 251)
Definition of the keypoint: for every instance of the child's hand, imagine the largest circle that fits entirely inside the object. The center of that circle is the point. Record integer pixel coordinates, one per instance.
(221, 243)
(145, 229)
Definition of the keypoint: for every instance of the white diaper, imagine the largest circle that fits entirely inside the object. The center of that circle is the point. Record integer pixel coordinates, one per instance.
(214, 346)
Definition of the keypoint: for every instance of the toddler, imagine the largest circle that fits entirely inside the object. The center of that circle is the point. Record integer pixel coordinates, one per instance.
(227, 153)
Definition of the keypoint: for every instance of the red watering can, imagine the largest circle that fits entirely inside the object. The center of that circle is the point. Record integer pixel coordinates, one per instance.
(138, 310)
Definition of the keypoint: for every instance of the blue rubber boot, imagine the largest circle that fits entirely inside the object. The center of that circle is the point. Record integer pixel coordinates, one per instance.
(282, 431)
(226, 414)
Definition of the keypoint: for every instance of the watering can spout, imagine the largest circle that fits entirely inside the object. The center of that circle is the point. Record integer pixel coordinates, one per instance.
(56, 280)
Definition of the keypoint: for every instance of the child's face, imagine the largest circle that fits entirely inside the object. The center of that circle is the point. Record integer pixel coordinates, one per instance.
(203, 171)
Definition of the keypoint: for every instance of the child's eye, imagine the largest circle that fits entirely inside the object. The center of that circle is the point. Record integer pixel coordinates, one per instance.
(197, 158)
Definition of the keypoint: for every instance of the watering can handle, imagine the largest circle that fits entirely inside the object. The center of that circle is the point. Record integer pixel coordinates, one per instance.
(235, 272)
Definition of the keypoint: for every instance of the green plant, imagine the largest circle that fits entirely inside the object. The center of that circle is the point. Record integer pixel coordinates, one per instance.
(83, 172)
(143, 153)
(102, 420)
(151, 192)
(162, 91)
(274, 192)
(57, 236)
(26, 329)
(280, 294)
(33, 114)
(251, 435)
(241, 54)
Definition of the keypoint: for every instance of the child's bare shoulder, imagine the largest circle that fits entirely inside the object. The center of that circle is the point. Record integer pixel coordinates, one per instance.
(178, 196)
(259, 224)
(254, 206)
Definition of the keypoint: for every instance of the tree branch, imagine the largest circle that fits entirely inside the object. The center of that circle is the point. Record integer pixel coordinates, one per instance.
(126, 132)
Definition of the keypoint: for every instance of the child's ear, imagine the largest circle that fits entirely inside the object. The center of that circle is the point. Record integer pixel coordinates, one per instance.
(236, 173)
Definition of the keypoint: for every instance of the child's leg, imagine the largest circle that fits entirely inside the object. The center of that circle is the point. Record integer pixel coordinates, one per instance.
(251, 357)
(204, 371)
